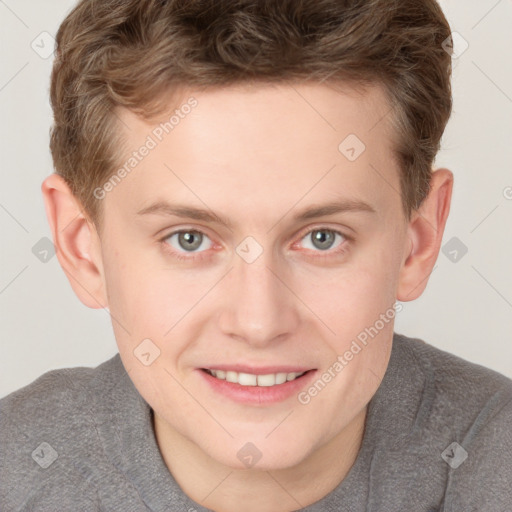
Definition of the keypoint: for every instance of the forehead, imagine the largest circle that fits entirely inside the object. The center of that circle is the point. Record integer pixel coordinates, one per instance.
(272, 143)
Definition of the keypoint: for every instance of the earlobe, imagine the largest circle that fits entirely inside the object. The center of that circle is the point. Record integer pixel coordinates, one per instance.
(425, 234)
(76, 242)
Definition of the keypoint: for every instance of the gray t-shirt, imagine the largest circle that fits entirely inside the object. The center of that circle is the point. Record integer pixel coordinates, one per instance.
(438, 437)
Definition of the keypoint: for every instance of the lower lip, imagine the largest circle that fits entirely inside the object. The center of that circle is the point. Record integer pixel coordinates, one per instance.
(258, 395)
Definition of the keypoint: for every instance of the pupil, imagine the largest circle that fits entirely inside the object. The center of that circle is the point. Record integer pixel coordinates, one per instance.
(321, 241)
(186, 239)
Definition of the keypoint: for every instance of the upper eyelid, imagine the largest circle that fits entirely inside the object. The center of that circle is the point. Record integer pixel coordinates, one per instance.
(307, 231)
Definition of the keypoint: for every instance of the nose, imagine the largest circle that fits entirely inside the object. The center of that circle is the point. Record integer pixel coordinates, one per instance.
(258, 303)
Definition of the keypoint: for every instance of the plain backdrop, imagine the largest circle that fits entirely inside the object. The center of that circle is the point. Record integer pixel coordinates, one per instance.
(467, 306)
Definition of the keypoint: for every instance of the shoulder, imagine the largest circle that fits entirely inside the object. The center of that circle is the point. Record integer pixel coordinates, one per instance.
(439, 394)
(457, 393)
(51, 396)
(466, 418)
(38, 420)
(456, 381)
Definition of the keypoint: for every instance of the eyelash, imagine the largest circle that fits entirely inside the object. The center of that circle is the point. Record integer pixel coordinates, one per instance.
(341, 249)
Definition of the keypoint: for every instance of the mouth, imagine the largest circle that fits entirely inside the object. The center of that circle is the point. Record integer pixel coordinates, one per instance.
(256, 385)
(255, 380)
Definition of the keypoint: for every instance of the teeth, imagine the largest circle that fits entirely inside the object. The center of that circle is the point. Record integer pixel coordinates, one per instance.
(231, 376)
(267, 380)
(248, 379)
(280, 378)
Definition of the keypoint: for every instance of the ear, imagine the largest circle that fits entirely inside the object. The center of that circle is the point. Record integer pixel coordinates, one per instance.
(76, 241)
(425, 234)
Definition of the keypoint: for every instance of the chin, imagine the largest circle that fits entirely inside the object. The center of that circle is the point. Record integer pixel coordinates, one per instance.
(261, 454)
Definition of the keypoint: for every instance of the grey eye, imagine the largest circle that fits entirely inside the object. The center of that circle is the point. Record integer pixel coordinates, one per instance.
(322, 239)
(188, 240)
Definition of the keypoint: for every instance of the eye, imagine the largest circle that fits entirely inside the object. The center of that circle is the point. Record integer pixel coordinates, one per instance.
(187, 240)
(192, 241)
(323, 239)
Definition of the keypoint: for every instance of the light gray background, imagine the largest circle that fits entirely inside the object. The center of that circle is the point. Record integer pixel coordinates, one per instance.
(467, 306)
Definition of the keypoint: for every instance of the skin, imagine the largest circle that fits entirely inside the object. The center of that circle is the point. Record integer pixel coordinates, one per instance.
(256, 156)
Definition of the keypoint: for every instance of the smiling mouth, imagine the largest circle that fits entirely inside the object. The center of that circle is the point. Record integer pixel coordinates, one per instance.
(249, 379)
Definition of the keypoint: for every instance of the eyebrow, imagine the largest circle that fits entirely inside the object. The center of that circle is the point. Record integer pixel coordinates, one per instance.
(312, 212)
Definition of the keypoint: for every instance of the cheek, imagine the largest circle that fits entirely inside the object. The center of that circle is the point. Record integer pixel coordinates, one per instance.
(138, 296)
(356, 303)
(150, 301)
(353, 296)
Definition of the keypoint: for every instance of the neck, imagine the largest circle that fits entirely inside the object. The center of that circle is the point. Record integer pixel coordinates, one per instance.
(224, 489)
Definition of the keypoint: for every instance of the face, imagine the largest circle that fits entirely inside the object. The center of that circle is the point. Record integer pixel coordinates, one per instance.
(292, 265)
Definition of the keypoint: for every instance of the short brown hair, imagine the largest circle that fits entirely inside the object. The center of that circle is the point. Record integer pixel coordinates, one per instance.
(135, 53)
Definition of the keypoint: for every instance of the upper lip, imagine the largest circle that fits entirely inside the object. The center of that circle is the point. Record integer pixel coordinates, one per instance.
(261, 370)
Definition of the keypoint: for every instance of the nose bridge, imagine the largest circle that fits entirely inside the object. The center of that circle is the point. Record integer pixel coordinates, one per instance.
(259, 307)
